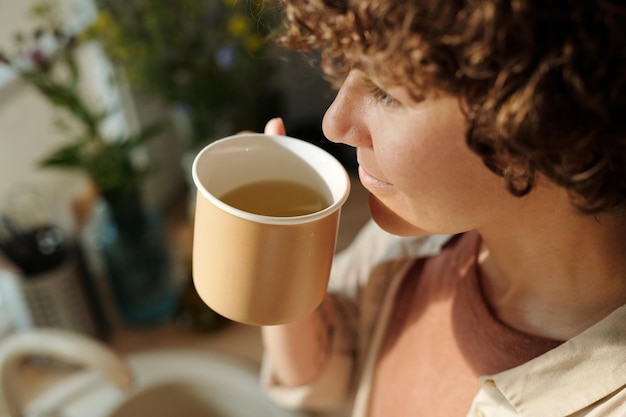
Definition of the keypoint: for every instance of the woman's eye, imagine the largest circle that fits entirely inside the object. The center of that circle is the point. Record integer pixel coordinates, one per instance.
(380, 95)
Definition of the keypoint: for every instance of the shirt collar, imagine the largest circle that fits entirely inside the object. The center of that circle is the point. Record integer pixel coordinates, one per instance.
(578, 373)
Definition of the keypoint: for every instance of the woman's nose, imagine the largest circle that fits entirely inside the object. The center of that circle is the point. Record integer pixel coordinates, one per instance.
(344, 121)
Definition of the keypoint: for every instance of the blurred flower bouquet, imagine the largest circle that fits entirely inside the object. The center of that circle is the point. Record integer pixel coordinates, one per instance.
(130, 236)
(46, 60)
(205, 58)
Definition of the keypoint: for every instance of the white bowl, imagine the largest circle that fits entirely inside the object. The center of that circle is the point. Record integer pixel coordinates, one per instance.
(169, 383)
(160, 383)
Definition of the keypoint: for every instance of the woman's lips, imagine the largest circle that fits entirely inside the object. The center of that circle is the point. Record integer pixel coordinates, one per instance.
(369, 181)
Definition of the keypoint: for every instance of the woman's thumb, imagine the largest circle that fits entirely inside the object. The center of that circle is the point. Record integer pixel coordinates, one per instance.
(275, 126)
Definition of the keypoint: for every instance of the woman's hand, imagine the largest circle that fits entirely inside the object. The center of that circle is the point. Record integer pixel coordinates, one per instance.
(301, 349)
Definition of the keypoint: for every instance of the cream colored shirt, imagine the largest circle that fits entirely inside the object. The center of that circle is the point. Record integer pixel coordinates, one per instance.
(585, 376)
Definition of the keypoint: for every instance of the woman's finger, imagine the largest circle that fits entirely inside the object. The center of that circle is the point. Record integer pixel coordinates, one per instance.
(275, 126)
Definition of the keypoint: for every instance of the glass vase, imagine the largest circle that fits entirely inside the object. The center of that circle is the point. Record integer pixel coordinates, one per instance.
(132, 242)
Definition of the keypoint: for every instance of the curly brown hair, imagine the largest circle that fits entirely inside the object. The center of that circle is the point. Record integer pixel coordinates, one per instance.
(542, 82)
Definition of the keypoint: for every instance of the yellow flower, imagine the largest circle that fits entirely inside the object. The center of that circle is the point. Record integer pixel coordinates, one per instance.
(121, 53)
(253, 43)
(238, 25)
(41, 9)
(103, 23)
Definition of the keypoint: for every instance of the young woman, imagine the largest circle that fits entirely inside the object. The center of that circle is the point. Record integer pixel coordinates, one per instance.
(491, 135)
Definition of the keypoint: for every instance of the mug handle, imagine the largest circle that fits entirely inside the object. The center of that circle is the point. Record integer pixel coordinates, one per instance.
(62, 345)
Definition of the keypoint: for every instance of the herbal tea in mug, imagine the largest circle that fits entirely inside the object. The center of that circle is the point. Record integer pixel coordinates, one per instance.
(277, 198)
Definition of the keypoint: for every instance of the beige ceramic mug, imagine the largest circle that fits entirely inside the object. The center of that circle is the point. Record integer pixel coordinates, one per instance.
(266, 220)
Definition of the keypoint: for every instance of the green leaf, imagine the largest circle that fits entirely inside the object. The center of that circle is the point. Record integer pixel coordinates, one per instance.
(68, 156)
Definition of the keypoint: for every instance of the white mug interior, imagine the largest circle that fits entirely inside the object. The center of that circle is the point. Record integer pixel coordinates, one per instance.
(242, 159)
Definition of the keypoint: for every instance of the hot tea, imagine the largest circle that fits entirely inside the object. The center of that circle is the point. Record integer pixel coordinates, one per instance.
(277, 198)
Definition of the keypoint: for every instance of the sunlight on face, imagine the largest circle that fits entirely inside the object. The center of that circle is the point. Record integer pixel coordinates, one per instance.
(414, 160)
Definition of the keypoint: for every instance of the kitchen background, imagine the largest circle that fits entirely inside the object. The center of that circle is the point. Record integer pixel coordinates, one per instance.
(199, 69)
(103, 105)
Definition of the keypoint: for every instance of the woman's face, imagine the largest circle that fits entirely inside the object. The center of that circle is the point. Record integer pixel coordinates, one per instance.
(414, 161)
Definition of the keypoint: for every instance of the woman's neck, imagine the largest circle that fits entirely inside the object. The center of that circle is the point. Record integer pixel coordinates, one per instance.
(555, 272)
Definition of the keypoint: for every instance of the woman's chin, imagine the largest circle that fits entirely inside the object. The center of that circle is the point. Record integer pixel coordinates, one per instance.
(390, 222)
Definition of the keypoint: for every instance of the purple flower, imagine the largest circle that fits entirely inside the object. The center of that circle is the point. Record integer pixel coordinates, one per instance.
(37, 59)
(226, 57)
